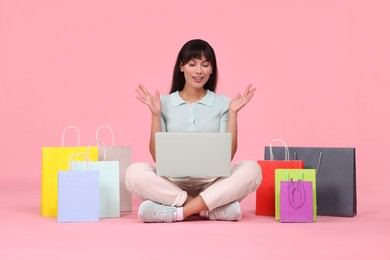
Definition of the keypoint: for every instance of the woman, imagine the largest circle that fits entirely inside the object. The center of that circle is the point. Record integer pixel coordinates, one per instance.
(193, 85)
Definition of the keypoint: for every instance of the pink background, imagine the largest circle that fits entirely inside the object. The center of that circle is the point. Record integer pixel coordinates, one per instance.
(321, 69)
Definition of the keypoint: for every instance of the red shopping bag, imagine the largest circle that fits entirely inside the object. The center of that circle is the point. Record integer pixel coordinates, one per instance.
(265, 194)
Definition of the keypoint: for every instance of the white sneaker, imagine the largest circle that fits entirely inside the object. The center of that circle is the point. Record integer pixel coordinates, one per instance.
(229, 212)
(153, 212)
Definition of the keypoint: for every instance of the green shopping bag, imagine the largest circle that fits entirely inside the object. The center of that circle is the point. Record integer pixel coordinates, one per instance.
(108, 182)
(295, 174)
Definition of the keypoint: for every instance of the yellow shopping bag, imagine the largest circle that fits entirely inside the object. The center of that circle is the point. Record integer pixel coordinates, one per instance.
(56, 159)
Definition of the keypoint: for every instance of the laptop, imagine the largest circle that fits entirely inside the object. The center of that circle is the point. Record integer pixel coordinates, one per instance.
(180, 155)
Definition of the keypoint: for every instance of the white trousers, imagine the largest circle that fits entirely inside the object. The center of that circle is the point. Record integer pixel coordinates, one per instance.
(141, 179)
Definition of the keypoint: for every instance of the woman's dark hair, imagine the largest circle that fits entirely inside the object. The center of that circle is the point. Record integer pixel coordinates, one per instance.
(194, 49)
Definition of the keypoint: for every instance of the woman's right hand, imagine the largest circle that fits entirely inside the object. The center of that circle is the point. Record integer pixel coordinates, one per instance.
(153, 102)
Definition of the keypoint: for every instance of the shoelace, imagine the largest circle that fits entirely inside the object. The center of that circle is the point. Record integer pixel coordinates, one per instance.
(218, 213)
(160, 214)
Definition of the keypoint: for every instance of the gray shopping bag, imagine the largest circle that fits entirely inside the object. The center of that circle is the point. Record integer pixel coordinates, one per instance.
(123, 155)
(336, 176)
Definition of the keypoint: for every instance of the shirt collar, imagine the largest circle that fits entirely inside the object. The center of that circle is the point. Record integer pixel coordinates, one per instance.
(207, 100)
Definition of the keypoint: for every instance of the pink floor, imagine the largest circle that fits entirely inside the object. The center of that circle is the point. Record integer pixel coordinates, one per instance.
(26, 235)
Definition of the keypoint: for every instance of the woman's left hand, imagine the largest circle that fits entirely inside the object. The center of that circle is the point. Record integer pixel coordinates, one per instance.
(241, 100)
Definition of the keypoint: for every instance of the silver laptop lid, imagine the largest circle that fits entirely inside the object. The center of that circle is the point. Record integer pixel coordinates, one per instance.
(181, 155)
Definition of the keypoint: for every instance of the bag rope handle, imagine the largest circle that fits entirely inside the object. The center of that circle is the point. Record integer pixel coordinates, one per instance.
(294, 186)
(286, 152)
(287, 176)
(318, 164)
(109, 128)
(77, 154)
(97, 141)
(77, 130)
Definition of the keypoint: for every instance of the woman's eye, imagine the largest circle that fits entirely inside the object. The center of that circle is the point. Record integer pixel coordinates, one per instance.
(206, 65)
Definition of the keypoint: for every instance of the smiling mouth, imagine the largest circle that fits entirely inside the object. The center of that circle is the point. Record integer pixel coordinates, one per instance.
(198, 78)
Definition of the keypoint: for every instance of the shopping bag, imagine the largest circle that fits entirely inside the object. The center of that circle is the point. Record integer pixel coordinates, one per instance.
(56, 159)
(265, 194)
(308, 175)
(296, 201)
(108, 182)
(122, 154)
(78, 194)
(336, 177)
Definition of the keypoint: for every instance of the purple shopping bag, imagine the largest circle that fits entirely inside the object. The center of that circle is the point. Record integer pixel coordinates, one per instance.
(78, 194)
(296, 201)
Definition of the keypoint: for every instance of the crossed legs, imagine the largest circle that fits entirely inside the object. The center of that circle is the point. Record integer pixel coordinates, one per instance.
(142, 180)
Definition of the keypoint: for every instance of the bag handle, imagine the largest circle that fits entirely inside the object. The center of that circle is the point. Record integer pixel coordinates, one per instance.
(109, 128)
(287, 177)
(319, 161)
(77, 130)
(97, 141)
(296, 186)
(77, 154)
(286, 152)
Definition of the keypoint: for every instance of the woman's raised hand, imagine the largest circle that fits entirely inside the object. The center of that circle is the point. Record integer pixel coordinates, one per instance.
(241, 100)
(153, 102)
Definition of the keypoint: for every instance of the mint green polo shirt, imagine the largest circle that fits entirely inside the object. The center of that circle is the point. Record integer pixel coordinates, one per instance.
(210, 114)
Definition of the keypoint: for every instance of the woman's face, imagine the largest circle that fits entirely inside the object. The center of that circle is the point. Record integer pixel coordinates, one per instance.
(197, 72)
